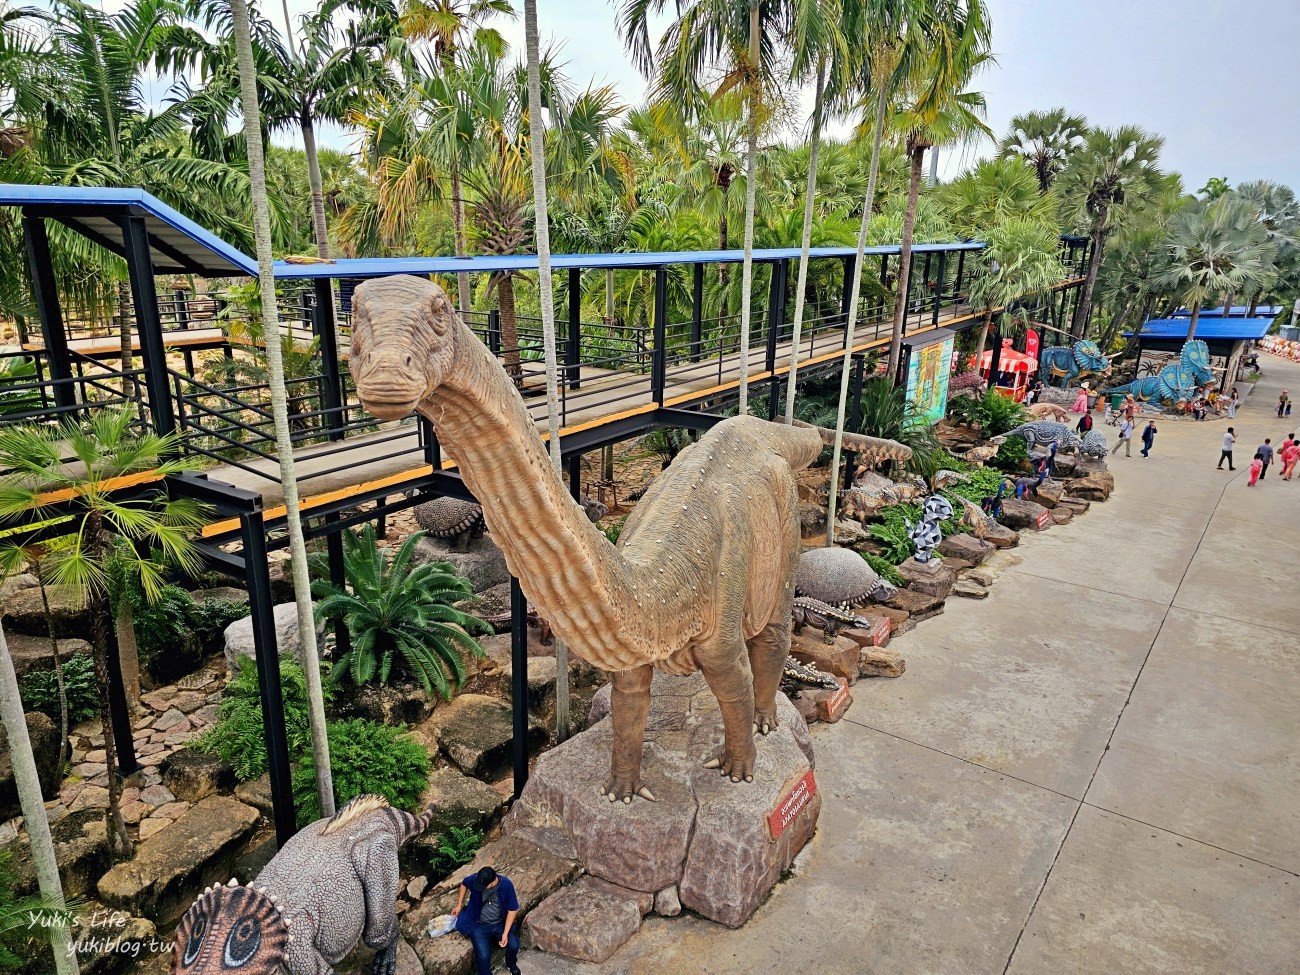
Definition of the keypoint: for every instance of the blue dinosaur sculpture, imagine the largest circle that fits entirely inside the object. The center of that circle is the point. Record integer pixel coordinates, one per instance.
(1177, 383)
(1070, 362)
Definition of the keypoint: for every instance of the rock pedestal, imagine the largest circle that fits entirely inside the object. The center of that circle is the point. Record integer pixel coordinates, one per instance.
(932, 578)
(707, 836)
(968, 548)
(839, 657)
(1024, 515)
(482, 563)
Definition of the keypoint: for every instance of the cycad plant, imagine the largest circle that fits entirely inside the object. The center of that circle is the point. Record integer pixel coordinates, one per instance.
(400, 616)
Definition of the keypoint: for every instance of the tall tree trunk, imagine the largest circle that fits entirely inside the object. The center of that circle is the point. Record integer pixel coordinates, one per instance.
(458, 229)
(1228, 299)
(509, 325)
(542, 236)
(128, 652)
(319, 228)
(279, 405)
(805, 241)
(125, 336)
(905, 261)
(751, 190)
(1196, 317)
(38, 571)
(1083, 311)
(979, 347)
(101, 620)
(32, 802)
(607, 463)
(722, 268)
(1254, 305)
(846, 370)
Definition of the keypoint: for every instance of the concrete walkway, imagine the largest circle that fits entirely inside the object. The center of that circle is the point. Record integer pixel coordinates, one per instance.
(1094, 770)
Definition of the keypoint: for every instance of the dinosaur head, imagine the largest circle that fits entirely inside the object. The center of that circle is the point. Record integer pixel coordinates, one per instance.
(231, 929)
(403, 337)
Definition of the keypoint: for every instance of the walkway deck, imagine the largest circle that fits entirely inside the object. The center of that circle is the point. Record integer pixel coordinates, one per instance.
(1095, 770)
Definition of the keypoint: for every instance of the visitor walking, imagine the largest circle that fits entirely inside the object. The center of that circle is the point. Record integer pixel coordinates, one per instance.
(489, 919)
(1229, 439)
(1084, 424)
(1282, 402)
(1081, 401)
(1256, 467)
(1289, 455)
(1265, 453)
(1148, 438)
(1125, 438)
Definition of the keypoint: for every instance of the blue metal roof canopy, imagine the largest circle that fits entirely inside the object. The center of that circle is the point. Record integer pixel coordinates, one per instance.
(179, 245)
(1222, 329)
(1236, 311)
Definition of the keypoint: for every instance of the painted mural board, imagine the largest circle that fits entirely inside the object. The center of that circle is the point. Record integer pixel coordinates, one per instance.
(928, 371)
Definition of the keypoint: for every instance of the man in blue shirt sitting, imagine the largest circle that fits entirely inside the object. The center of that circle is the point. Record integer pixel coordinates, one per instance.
(489, 919)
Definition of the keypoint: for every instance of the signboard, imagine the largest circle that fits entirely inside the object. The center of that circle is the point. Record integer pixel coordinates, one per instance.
(791, 804)
(1044, 519)
(1031, 344)
(838, 703)
(880, 632)
(928, 371)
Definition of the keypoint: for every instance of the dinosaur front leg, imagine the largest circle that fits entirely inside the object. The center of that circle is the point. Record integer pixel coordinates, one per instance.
(629, 706)
(732, 683)
(767, 654)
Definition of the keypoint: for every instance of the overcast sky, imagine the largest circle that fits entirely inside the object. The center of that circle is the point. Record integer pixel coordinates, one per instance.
(1216, 79)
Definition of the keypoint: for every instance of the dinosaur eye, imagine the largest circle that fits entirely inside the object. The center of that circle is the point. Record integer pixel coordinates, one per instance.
(194, 942)
(243, 941)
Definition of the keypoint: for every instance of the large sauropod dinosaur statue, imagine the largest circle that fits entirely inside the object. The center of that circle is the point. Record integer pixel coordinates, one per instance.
(703, 576)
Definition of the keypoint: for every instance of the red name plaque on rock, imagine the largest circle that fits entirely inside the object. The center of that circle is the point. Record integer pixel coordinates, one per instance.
(1044, 519)
(880, 632)
(796, 797)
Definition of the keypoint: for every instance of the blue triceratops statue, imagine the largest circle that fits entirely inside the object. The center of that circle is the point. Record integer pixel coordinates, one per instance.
(1177, 383)
(1070, 362)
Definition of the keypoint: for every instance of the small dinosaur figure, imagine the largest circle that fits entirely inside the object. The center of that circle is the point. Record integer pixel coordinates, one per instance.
(1094, 444)
(331, 886)
(991, 504)
(1040, 433)
(796, 673)
(984, 453)
(702, 578)
(1068, 363)
(1049, 411)
(925, 534)
(824, 617)
(1027, 487)
(974, 518)
(839, 578)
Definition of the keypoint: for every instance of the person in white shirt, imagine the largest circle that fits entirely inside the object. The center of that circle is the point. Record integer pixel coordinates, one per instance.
(1229, 439)
(1125, 438)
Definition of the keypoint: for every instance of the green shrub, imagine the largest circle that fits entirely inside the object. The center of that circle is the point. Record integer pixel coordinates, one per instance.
(456, 848)
(164, 624)
(365, 757)
(399, 614)
(237, 735)
(995, 413)
(615, 530)
(884, 568)
(1011, 456)
(893, 535)
(23, 947)
(40, 689)
(210, 618)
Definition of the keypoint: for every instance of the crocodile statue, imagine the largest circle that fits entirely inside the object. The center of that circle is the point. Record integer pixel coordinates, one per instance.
(823, 616)
(703, 574)
(1040, 433)
(840, 578)
(1070, 362)
(1178, 383)
(330, 887)
(925, 534)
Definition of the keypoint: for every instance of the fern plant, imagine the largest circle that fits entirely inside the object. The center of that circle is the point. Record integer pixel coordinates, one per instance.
(365, 757)
(884, 568)
(456, 847)
(39, 690)
(400, 616)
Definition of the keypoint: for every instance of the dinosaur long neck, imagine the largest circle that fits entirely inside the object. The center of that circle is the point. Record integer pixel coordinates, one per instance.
(577, 580)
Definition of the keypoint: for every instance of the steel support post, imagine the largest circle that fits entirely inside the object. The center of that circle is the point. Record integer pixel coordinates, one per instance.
(494, 331)
(258, 579)
(148, 326)
(573, 347)
(961, 267)
(697, 310)
(659, 361)
(938, 287)
(338, 578)
(855, 415)
(327, 332)
(48, 310)
(575, 476)
(519, 683)
(995, 357)
(846, 290)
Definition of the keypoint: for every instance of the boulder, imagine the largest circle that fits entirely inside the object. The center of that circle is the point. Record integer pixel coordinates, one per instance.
(494, 601)
(476, 732)
(932, 578)
(403, 703)
(24, 612)
(1062, 516)
(219, 594)
(1094, 487)
(482, 564)
(45, 749)
(812, 519)
(80, 849)
(878, 662)
(1050, 493)
(193, 775)
(701, 819)
(967, 548)
(457, 800)
(1065, 465)
(898, 618)
(31, 654)
(587, 921)
(108, 940)
(918, 605)
(1022, 515)
(839, 657)
(197, 849)
(239, 636)
(1077, 505)
(983, 577)
(1085, 466)
(1000, 536)
(824, 703)
(969, 589)
(667, 903)
(20, 580)
(257, 793)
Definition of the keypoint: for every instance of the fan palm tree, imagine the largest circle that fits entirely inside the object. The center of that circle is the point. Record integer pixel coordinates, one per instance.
(1019, 262)
(1216, 248)
(40, 479)
(993, 192)
(279, 402)
(1114, 169)
(1045, 141)
(32, 803)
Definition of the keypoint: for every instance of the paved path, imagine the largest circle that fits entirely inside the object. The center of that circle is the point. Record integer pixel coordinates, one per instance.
(1094, 770)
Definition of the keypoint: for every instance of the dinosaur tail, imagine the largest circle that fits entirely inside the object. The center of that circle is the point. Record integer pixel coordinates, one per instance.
(408, 826)
(874, 449)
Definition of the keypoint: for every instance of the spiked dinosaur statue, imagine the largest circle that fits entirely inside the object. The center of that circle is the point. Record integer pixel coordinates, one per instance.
(331, 886)
(703, 576)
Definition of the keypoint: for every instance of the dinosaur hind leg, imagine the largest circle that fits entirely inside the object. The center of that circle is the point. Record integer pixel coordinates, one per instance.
(375, 862)
(767, 653)
(629, 705)
(732, 683)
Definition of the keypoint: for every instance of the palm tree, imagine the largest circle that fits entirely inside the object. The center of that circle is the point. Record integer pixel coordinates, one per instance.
(1114, 169)
(542, 237)
(993, 192)
(32, 803)
(1215, 187)
(279, 403)
(1020, 261)
(41, 480)
(1216, 248)
(1045, 141)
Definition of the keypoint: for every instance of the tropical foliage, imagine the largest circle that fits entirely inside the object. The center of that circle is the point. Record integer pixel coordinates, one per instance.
(40, 689)
(365, 758)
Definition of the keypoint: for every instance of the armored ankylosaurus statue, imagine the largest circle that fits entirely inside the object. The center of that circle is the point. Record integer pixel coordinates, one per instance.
(454, 518)
(840, 578)
(703, 576)
(331, 886)
(1094, 445)
(1068, 363)
(1040, 433)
